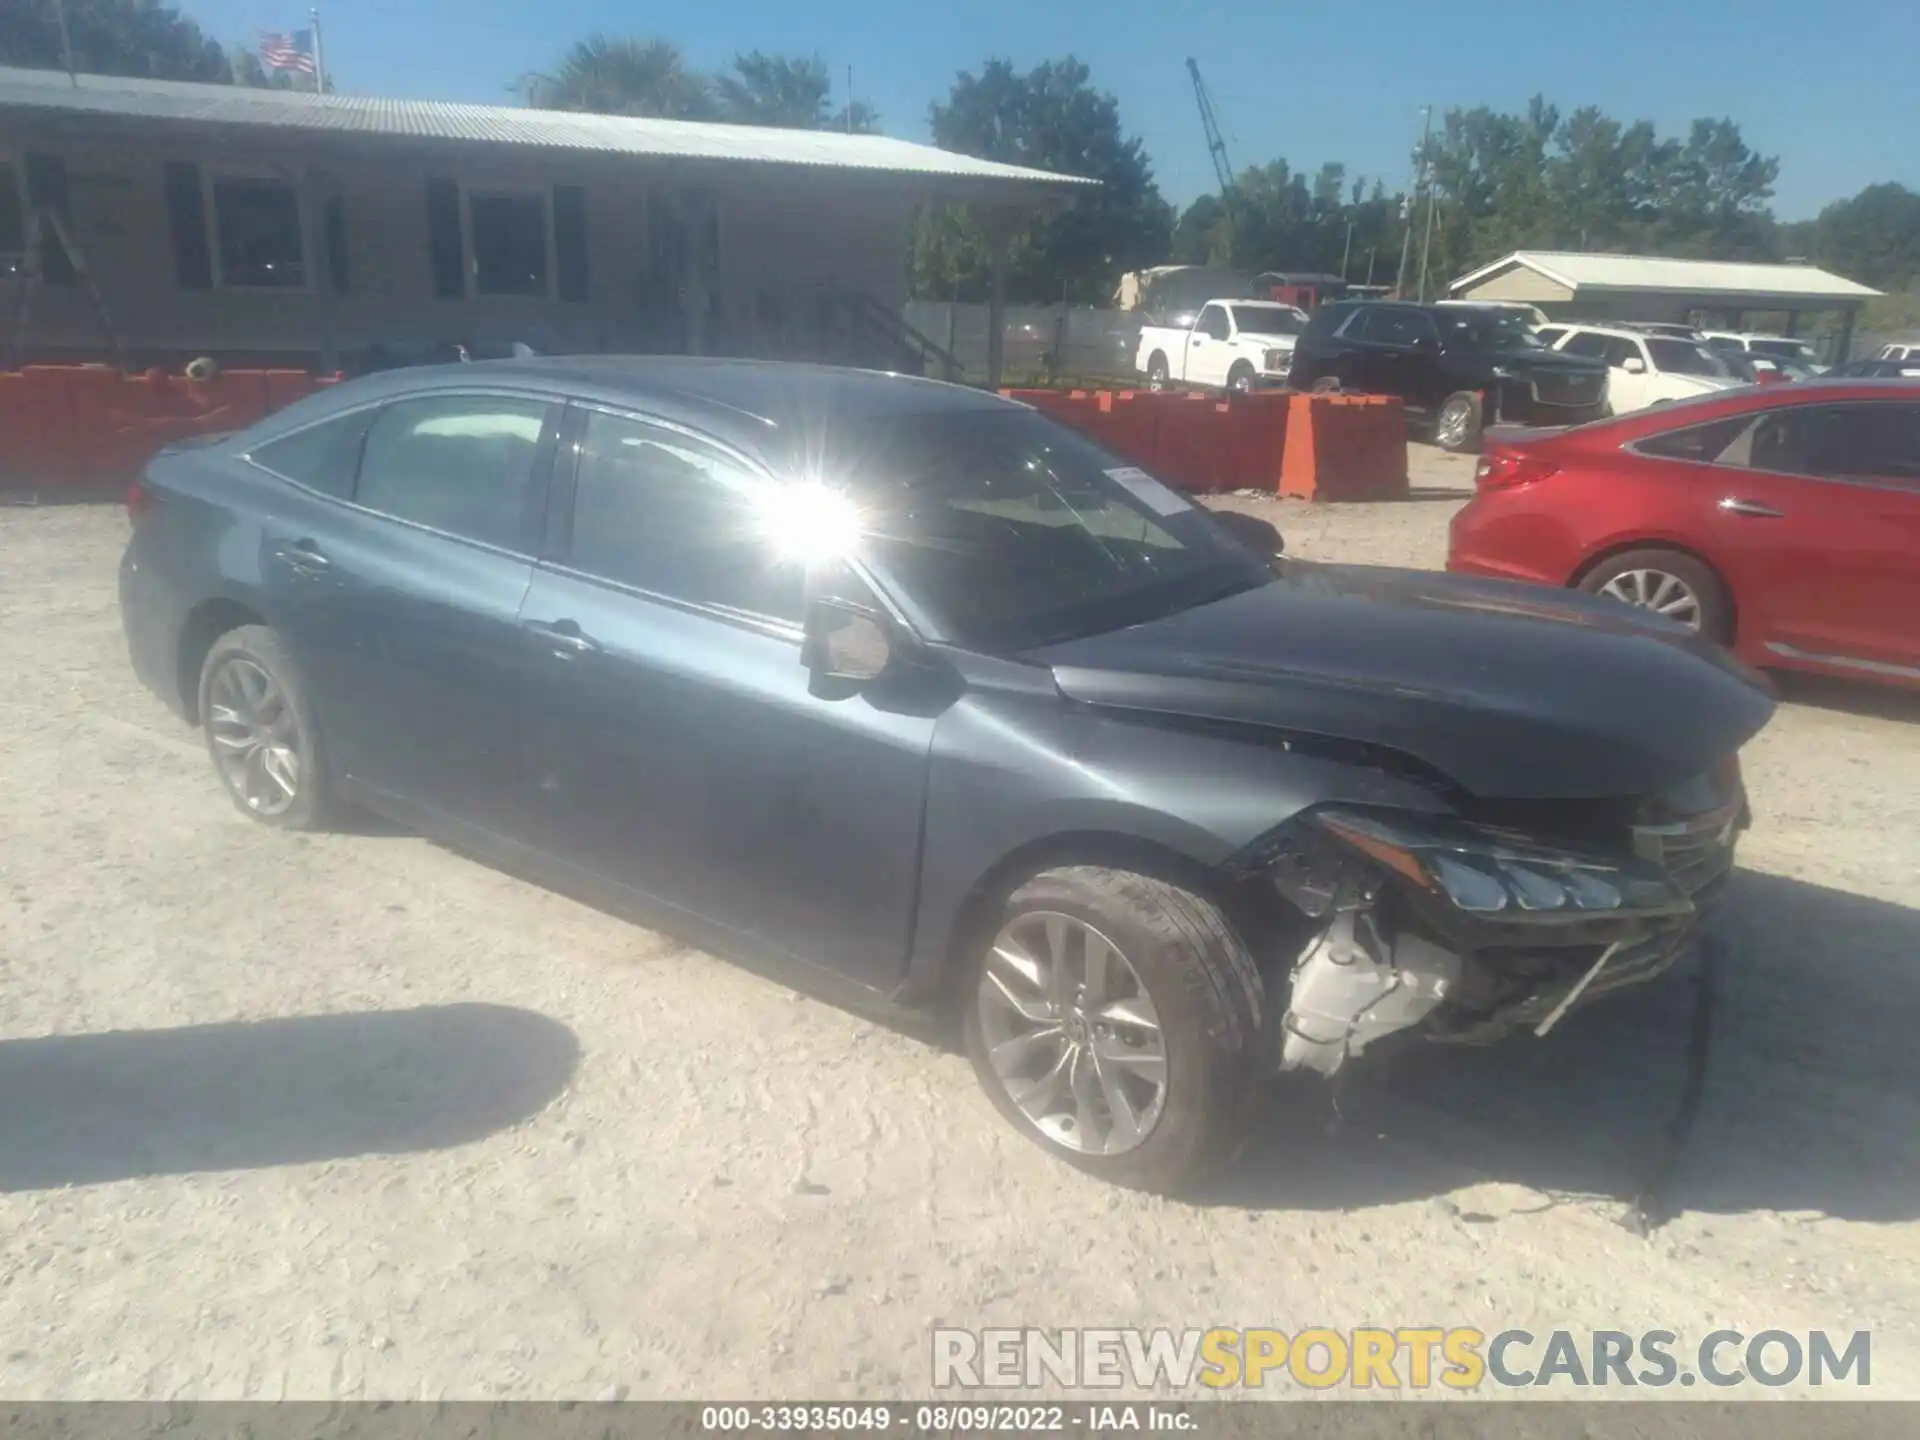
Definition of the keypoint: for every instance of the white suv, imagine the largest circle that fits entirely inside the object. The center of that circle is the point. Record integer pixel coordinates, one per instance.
(1644, 370)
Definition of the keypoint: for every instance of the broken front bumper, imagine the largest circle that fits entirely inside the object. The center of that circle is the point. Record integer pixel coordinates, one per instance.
(1469, 932)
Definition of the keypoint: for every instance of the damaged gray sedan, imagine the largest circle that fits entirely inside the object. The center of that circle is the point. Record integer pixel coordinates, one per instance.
(905, 682)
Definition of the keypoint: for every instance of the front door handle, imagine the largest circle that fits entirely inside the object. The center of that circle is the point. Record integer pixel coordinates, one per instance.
(305, 555)
(565, 636)
(1734, 505)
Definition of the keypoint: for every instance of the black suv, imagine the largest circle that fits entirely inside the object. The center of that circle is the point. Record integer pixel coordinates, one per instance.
(1459, 368)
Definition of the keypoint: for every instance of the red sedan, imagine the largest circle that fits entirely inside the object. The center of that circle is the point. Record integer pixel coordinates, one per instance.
(1783, 521)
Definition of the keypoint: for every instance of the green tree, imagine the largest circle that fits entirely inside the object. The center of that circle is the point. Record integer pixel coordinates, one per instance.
(1873, 237)
(785, 90)
(1050, 118)
(110, 37)
(622, 77)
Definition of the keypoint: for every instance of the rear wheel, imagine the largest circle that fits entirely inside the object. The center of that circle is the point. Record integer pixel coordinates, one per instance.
(1669, 583)
(1240, 378)
(1456, 426)
(1114, 1019)
(260, 731)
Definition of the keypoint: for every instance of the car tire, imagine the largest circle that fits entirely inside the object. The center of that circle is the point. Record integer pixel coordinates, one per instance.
(1456, 424)
(1201, 990)
(1240, 378)
(1327, 385)
(260, 731)
(1646, 573)
(1158, 372)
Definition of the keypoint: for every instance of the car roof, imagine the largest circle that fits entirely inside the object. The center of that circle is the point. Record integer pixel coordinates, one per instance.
(1617, 332)
(765, 406)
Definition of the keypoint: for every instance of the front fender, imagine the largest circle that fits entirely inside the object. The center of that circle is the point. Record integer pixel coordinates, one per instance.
(1011, 772)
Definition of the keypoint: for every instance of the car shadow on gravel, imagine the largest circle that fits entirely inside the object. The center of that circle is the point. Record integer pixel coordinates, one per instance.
(245, 1095)
(1811, 1101)
(1852, 697)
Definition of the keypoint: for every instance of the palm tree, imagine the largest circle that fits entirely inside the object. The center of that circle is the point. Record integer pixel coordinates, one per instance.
(622, 77)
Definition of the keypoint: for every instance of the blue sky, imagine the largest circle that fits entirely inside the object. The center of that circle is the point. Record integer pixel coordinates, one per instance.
(1830, 86)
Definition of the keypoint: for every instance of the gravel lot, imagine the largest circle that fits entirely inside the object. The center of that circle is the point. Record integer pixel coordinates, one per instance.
(353, 1116)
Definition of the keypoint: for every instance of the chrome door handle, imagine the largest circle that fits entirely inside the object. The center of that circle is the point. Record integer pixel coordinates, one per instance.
(304, 555)
(1734, 505)
(564, 636)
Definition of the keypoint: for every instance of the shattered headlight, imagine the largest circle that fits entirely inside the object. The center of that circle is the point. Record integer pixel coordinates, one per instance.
(1488, 872)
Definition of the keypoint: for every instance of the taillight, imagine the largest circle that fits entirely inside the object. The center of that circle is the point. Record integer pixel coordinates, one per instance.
(140, 502)
(1505, 469)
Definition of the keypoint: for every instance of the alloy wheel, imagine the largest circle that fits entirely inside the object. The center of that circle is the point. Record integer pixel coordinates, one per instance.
(1658, 591)
(1451, 430)
(255, 736)
(1072, 1035)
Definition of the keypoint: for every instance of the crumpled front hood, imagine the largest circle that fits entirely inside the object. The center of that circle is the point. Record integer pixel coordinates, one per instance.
(1512, 691)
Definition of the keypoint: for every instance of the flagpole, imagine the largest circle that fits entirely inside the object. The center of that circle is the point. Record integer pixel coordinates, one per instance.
(319, 55)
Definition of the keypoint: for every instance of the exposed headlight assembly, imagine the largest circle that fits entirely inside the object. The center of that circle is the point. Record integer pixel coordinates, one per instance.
(1496, 874)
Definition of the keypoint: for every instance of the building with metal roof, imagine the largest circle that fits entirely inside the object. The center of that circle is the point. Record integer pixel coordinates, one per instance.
(1725, 293)
(266, 223)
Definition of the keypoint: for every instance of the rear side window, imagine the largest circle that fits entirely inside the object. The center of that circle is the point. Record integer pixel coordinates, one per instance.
(1587, 345)
(322, 457)
(657, 510)
(1212, 322)
(463, 464)
(1702, 444)
(1386, 325)
(1549, 334)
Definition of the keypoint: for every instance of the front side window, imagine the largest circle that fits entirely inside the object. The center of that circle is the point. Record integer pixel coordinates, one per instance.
(257, 228)
(657, 510)
(1587, 345)
(462, 464)
(322, 457)
(1012, 531)
(1868, 442)
(509, 243)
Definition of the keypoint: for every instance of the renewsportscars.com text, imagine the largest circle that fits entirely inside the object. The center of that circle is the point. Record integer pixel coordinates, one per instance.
(1399, 1358)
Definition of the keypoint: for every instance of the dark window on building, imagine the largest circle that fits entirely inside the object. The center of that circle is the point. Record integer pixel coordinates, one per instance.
(509, 243)
(257, 225)
(335, 224)
(462, 464)
(322, 457)
(661, 512)
(187, 220)
(446, 251)
(13, 223)
(570, 241)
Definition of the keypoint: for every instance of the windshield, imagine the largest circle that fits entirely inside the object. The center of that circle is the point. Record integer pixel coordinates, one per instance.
(1680, 357)
(1265, 320)
(1488, 329)
(1012, 532)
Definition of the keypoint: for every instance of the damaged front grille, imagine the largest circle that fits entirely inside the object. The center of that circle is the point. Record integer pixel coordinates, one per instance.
(1697, 852)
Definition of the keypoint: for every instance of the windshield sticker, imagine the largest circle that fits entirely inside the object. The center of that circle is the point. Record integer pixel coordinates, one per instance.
(1143, 487)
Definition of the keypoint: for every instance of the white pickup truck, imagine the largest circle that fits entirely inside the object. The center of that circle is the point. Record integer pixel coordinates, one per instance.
(1231, 345)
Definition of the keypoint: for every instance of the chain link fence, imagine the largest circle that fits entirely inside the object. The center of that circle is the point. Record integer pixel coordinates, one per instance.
(1042, 342)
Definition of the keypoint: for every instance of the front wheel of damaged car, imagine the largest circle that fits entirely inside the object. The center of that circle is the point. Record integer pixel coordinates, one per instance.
(1114, 1018)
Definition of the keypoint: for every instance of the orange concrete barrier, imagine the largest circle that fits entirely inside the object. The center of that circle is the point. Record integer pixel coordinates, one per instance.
(72, 426)
(1345, 447)
(1191, 440)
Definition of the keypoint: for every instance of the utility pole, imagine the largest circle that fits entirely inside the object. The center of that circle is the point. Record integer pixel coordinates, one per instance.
(1426, 245)
(319, 55)
(1346, 251)
(849, 99)
(1406, 206)
(66, 42)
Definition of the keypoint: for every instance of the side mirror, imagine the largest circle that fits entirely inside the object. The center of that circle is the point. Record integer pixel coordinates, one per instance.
(1259, 536)
(1634, 365)
(845, 641)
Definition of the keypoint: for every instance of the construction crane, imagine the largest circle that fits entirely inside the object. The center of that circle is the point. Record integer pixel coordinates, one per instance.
(1216, 146)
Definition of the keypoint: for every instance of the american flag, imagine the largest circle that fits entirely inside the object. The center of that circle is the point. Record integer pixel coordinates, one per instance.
(284, 52)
